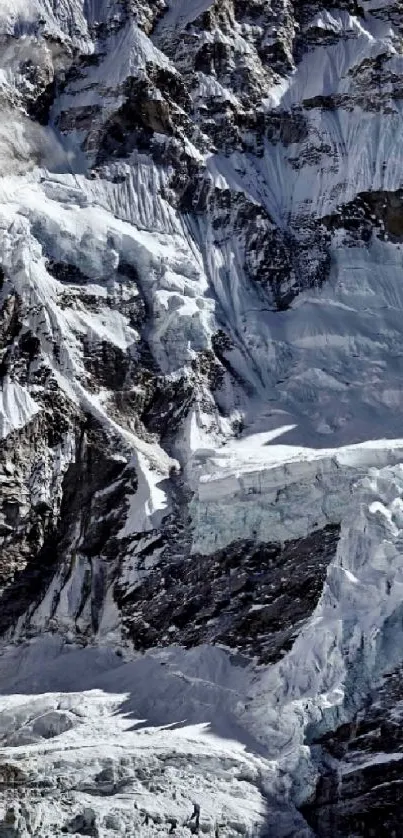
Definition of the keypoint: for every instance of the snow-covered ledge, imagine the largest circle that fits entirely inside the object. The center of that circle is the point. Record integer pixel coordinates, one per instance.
(250, 489)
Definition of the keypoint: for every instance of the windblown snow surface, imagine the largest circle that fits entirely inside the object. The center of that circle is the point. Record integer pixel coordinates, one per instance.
(95, 737)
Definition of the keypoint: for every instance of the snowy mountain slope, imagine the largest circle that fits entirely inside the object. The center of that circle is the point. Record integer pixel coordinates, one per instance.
(201, 233)
(85, 747)
(339, 655)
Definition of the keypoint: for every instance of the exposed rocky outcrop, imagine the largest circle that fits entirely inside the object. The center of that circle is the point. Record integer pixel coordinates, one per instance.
(201, 224)
(250, 597)
(360, 786)
(371, 213)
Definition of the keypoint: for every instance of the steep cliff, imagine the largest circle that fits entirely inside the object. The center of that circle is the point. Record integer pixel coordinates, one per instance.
(201, 231)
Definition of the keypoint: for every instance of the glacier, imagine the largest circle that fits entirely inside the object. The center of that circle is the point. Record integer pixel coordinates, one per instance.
(201, 229)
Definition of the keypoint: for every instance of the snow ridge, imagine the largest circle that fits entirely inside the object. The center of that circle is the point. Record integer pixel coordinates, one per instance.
(201, 229)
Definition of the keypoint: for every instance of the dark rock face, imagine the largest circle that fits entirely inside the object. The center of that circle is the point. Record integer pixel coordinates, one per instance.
(83, 824)
(164, 108)
(360, 791)
(93, 490)
(371, 213)
(192, 133)
(249, 597)
(153, 106)
(66, 273)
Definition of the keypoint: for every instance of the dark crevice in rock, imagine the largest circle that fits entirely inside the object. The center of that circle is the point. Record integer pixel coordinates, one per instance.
(40, 107)
(66, 272)
(168, 405)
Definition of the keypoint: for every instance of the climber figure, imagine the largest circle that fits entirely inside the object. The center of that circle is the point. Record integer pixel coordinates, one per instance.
(194, 827)
(174, 824)
(195, 814)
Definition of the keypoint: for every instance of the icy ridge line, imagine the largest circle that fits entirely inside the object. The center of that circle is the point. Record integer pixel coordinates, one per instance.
(250, 489)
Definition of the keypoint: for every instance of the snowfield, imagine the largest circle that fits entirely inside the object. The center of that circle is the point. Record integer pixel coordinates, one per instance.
(90, 734)
(126, 739)
(151, 376)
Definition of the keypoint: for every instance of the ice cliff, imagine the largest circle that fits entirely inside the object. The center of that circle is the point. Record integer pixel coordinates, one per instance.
(201, 507)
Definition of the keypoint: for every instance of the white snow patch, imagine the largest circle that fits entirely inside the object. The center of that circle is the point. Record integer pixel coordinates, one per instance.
(17, 407)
